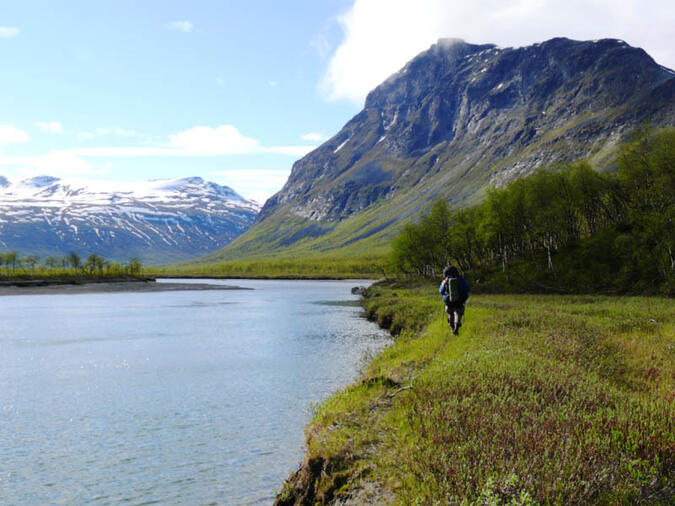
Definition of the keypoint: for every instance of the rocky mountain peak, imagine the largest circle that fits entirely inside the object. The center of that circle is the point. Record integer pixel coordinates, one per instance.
(418, 75)
(460, 118)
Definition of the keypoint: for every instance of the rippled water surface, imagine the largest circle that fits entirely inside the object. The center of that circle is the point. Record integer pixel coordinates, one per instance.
(193, 397)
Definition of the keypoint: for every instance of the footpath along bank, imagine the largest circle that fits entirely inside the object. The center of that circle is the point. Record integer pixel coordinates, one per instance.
(540, 399)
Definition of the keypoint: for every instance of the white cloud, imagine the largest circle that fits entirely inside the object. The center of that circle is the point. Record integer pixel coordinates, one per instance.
(222, 140)
(9, 134)
(380, 36)
(198, 141)
(312, 137)
(321, 45)
(182, 26)
(52, 127)
(256, 184)
(117, 152)
(119, 132)
(55, 163)
(112, 131)
(59, 162)
(194, 145)
(8, 32)
(272, 84)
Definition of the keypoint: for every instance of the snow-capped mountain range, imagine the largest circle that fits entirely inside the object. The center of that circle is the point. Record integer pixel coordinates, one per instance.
(158, 221)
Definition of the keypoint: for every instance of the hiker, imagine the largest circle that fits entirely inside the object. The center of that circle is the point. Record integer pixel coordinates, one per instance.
(454, 291)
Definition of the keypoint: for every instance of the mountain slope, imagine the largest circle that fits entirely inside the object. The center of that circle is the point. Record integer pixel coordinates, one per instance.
(157, 221)
(455, 120)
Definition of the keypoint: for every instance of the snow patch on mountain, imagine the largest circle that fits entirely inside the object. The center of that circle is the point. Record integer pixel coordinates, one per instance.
(158, 220)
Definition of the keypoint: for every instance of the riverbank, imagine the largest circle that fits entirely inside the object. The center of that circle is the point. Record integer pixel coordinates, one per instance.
(549, 399)
(282, 277)
(37, 281)
(64, 287)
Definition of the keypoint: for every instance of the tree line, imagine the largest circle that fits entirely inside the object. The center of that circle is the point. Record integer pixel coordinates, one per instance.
(567, 226)
(11, 263)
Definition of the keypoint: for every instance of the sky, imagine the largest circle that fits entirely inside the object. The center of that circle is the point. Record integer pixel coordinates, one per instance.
(235, 91)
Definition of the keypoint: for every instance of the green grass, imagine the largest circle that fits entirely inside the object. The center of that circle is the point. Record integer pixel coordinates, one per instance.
(372, 267)
(541, 399)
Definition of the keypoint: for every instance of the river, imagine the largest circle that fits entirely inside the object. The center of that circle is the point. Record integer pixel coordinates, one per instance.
(187, 397)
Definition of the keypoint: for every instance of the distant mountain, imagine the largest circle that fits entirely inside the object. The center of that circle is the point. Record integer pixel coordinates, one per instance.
(157, 221)
(454, 121)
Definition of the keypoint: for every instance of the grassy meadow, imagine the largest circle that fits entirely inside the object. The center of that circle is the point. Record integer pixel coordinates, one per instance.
(541, 399)
(368, 267)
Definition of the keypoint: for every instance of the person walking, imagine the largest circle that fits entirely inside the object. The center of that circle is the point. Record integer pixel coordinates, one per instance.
(454, 292)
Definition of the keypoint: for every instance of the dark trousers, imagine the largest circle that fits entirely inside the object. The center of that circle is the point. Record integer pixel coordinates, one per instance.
(455, 312)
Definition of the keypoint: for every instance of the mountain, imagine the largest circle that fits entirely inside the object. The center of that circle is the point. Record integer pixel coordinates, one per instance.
(157, 221)
(456, 120)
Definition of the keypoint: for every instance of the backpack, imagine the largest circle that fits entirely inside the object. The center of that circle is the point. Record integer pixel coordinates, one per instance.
(454, 290)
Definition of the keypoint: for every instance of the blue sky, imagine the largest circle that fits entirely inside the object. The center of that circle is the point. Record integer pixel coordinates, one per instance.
(235, 91)
(123, 74)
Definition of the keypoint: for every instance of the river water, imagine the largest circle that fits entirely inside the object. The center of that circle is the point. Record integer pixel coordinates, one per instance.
(188, 397)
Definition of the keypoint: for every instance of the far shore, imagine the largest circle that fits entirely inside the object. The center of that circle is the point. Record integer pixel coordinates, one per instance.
(271, 278)
(60, 287)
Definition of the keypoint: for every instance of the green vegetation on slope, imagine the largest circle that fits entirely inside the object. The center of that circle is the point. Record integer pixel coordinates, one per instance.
(569, 229)
(541, 399)
(287, 236)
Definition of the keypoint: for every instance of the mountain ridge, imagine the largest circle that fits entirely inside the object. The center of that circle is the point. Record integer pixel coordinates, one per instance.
(160, 220)
(454, 121)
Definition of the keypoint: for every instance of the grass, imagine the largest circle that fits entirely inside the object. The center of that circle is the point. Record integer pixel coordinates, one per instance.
(371, 267)
(541, 399)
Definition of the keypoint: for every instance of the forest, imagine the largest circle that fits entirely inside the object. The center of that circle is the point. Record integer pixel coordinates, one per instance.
(565, 229)
(13, 266)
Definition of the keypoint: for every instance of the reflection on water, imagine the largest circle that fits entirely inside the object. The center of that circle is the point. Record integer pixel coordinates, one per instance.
(174, 397)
